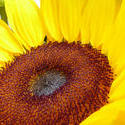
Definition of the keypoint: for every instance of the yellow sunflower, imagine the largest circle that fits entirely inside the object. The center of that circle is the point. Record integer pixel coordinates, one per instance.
(63, 63)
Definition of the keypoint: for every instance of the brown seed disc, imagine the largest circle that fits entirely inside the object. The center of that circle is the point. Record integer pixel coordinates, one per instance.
(88, 80)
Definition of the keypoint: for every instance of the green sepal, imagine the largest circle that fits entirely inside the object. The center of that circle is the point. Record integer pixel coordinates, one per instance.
(2, 11)
(1, 3)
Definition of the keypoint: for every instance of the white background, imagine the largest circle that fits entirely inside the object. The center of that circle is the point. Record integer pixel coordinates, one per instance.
(38, 2)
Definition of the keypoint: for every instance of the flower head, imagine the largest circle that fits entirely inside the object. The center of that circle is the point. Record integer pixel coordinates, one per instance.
(74, 76)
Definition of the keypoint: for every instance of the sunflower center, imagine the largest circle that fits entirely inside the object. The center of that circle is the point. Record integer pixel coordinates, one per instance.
(48, 82)
(55, 83)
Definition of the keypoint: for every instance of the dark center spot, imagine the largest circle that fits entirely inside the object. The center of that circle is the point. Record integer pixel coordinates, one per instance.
(48, 82)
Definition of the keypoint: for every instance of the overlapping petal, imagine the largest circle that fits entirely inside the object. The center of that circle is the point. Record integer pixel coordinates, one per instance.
(97, 17)
(107, 115)
(50, 14)
(117, 91)
(24, 19)
(7, 39)
(114, 44)
(70, 18)
(9, 44)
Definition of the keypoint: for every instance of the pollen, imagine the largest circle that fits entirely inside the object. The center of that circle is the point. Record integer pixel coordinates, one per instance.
(55, 83)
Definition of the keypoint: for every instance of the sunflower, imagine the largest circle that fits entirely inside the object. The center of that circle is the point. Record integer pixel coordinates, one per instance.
(63, 63)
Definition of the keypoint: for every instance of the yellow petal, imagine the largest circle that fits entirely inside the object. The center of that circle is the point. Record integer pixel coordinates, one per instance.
(107, 115)
(118, 88)
(115, 46)
(120, 120)
(24, 19)
(50, 13)
(7, 39)
(97, 17)
(116, 42)
(70, 18)
(5, 56)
